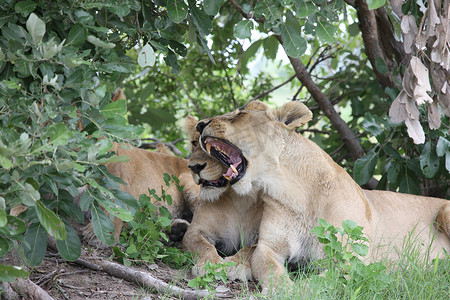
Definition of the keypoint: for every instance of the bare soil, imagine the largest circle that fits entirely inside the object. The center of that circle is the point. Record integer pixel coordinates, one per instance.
(70, 280)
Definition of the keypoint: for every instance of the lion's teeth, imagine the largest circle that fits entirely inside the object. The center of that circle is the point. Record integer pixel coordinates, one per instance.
(227, 178)
(234, 169)
(208, 148)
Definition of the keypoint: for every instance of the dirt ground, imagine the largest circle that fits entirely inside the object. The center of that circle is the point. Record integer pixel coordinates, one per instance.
(68, 280)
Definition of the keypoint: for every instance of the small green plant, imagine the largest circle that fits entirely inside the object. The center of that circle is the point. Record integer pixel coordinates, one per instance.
(343, 248)
(146, 232)
(213, 272)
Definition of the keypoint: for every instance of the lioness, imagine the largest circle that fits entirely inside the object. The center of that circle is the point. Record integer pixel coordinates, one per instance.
(300, 183)
(228, 223)
(144, 171)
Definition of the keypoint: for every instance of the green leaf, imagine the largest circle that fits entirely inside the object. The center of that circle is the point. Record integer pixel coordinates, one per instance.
(36, 28)
(249, 54)
(201, 20)
(35, 243)
(29, 195)
(374, 4)
(353, 29)
(120, 10)
(86, 201)
(371, 125)
(115, 158)
(156, 117)
(325, 31)
(14, 227)
(408, 184)
(3, 218)
(118, 107)
(99, 43)
(429, 161)
(177, 10)
(77, 35)
(5, 162)
(115, 210)
(349, 225)
(10, 273)
(393, 172)
(25, 7)
(51, 222)
(4, 246)
(70, 248)
(360, 249)
(365, 166)
(293, 43)
(242, 30)
(381, 65)
(146, 57)
(212, 7)
(305, 9)
(102, 225)
(58, 134)
(271, 45)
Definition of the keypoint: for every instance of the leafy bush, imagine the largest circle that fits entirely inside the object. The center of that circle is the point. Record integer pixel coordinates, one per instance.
(59, 62)
(143, 239)
(213, 272)
(342, 265)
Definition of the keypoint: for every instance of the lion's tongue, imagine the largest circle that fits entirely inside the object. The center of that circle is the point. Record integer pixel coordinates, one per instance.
(232, 172)
(233, 155)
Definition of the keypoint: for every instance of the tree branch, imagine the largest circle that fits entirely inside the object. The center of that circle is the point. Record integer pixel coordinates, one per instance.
(348, 137)
(197, 108)
(369, 31)
(170, 145)
(379, 40)
(29, 290)
(230, 83)
(145, 279)
(273, 89)
(325, 104)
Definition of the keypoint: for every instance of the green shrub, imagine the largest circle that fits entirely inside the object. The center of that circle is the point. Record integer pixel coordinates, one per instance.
(213, 272)
(144, 237)
(342, 265)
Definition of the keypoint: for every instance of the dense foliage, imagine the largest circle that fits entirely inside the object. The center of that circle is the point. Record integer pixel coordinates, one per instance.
(60, 61)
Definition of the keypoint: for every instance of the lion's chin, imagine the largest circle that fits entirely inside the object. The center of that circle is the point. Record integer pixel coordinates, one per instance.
(211, 194)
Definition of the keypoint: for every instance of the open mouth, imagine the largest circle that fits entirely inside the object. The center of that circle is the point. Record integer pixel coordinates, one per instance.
(228, 154)
(221, 182)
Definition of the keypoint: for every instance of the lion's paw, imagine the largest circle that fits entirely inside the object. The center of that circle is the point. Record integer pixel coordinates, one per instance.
(239, 271)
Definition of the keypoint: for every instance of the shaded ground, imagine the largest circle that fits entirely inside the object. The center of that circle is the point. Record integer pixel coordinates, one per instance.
(64, 280)
(67, 280)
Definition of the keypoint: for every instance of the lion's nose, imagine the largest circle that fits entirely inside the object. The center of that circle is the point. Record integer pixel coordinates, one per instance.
(197, 168)
(201, 125)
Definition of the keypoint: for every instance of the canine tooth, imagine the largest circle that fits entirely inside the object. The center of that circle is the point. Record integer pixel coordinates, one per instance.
(208, 148)
(227, 178)
(234, 169)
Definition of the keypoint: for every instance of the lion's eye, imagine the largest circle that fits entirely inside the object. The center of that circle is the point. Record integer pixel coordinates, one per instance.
(194, 143)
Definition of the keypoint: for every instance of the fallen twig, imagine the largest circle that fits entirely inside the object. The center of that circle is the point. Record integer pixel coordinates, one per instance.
(29, 290)
(8, 292)
(147, 280)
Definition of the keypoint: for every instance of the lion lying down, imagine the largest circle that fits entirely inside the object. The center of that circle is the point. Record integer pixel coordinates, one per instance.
(228, 223)
(145, 171)
(300, 183)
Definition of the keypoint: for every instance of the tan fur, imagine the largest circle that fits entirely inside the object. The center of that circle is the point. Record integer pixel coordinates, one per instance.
(229, 222)
(300, 183)
(145, 171)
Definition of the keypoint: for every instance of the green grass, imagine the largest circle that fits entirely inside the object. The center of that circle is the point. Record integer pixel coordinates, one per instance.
(344, 276)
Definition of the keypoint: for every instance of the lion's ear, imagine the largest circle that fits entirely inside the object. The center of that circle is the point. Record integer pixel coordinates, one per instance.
(293, 114)
(256, 106)
(189, 126)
